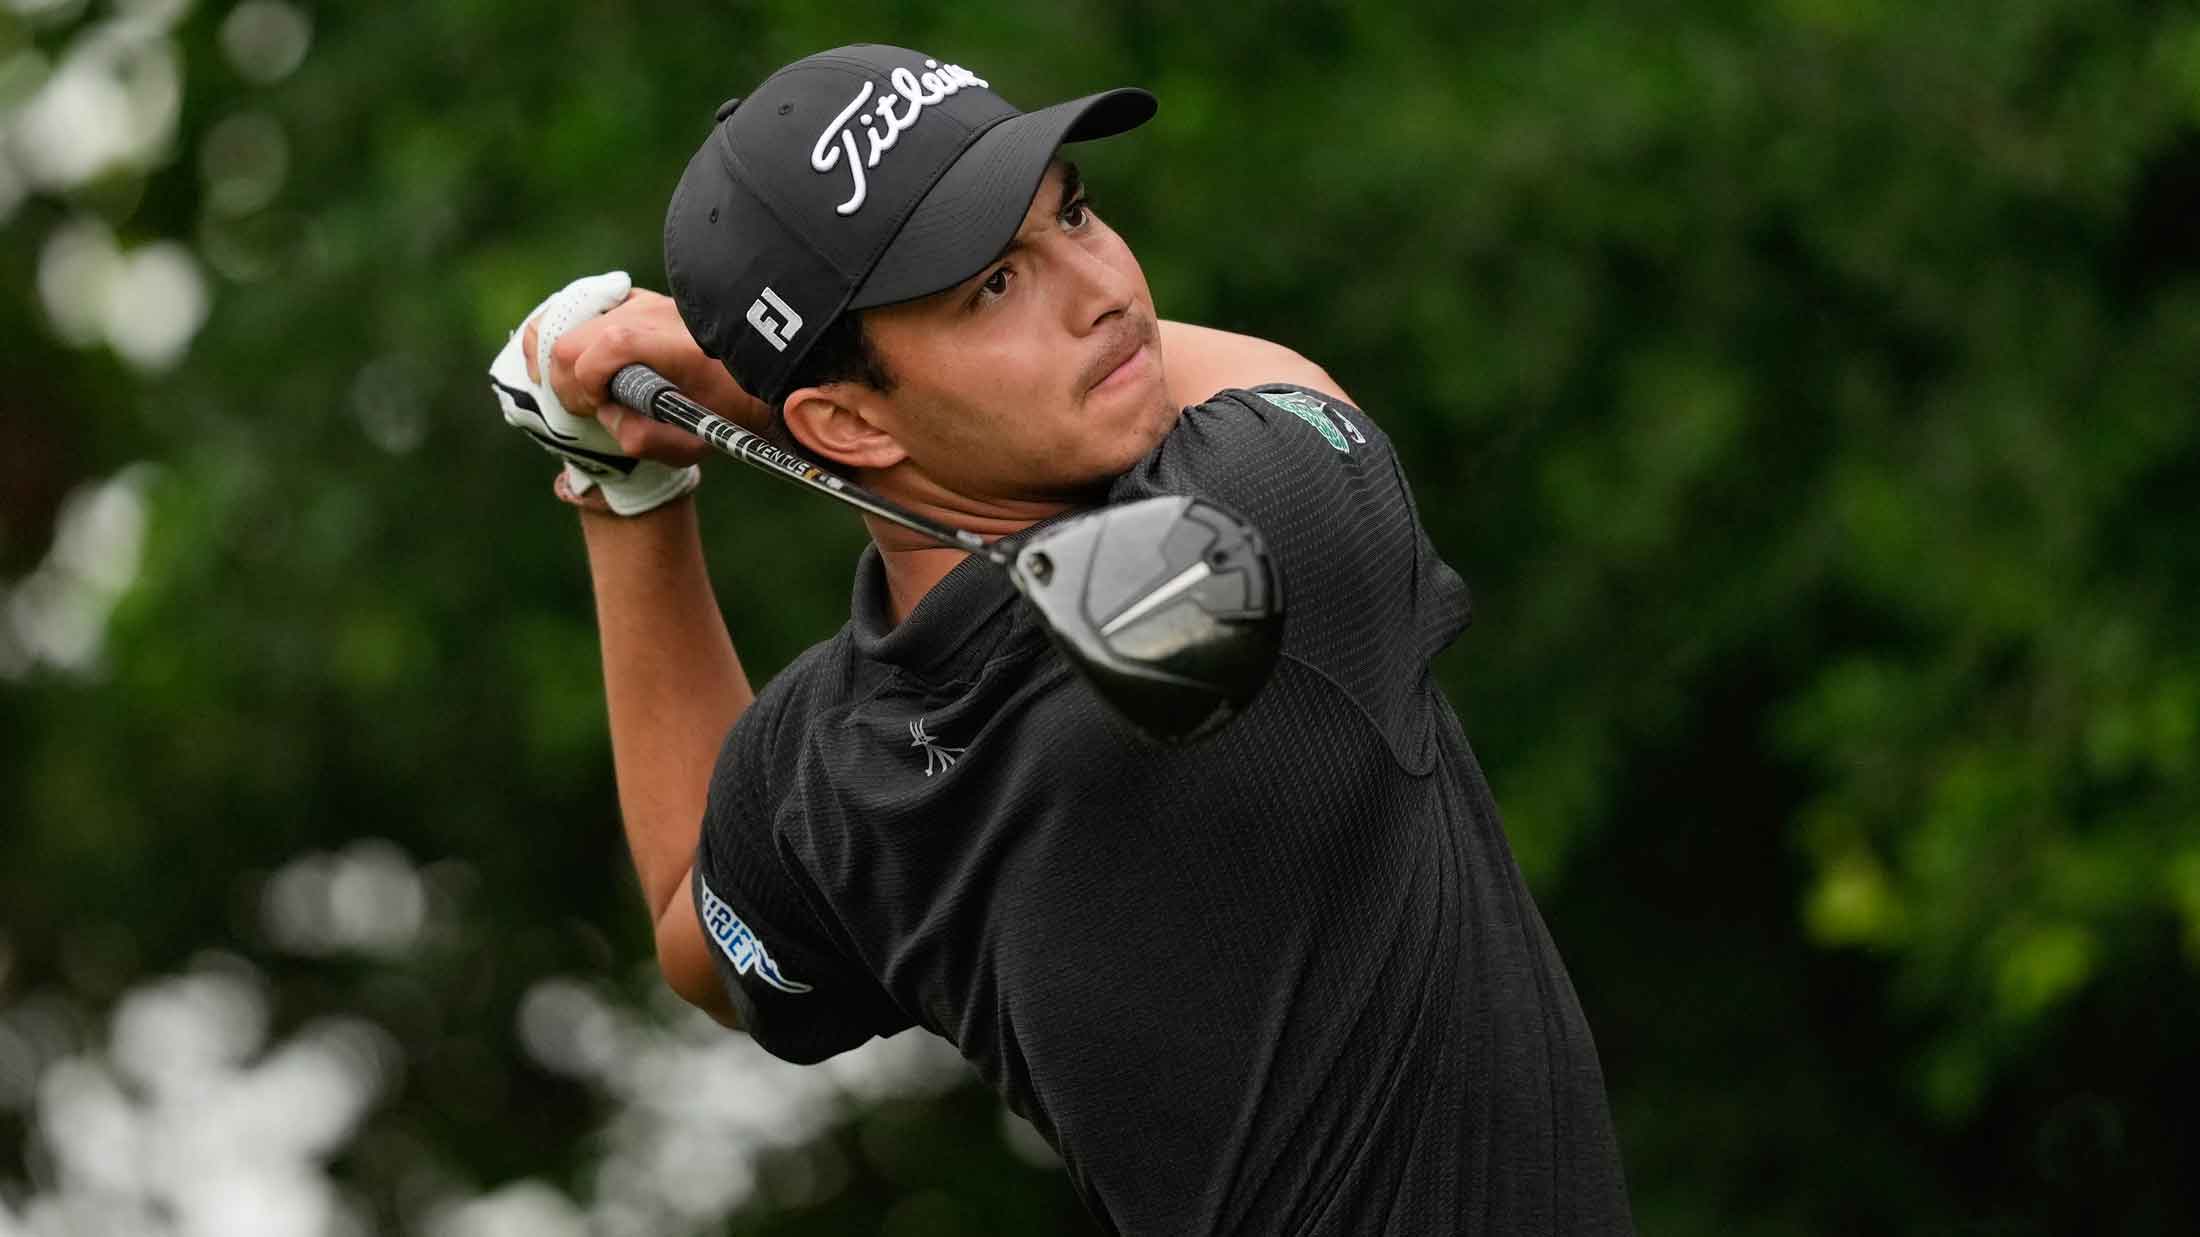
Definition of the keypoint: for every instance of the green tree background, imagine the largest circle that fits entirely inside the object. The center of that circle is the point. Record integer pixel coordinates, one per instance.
(1805, 388)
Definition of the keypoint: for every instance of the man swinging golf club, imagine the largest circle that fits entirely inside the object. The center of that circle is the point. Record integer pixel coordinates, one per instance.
(1285, 979)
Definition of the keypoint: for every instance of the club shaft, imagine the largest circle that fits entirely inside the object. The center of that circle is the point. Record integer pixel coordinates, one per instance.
(651, 394)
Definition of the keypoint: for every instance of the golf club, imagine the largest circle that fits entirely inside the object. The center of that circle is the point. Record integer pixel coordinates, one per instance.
(1170, 607)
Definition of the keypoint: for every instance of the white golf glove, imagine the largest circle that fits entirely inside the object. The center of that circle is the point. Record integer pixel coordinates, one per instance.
(591, 454)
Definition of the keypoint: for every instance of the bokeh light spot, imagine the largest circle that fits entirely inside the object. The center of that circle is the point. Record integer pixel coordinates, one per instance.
(155, 305)
(243, 160)
(266, 40)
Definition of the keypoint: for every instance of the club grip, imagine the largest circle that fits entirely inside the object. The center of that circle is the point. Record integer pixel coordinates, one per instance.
(637, 385)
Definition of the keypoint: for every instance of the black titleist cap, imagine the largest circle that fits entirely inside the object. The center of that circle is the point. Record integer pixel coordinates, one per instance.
(857, 177)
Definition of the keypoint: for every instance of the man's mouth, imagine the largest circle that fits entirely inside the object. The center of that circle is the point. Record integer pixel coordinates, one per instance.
(1120, 361)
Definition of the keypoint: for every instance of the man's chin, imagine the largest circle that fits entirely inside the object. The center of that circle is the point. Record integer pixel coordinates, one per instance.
(1148, 423)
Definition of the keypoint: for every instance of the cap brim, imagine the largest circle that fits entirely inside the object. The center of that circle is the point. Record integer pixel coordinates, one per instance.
(973, 212)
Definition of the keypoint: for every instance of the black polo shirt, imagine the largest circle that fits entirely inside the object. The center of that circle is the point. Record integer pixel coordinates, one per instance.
(1287, 980)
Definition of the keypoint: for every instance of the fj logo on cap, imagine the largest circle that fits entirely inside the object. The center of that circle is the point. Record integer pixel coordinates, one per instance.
(776, 331)
(915, 91)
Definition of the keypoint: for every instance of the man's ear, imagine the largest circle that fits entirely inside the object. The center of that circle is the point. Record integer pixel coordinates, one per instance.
(830, 422)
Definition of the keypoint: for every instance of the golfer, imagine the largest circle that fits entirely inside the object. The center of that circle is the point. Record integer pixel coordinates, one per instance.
(1286, 980)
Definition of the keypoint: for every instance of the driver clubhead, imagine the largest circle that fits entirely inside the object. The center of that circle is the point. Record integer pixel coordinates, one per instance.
(1170, 607)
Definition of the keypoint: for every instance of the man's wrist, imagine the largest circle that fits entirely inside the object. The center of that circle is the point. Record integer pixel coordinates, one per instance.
(590, 500)
(597, 498)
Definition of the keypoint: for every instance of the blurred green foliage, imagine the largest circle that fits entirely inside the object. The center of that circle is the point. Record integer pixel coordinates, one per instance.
(1805, 388)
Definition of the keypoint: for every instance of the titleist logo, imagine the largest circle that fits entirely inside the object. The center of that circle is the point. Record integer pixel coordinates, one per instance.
(913, 92)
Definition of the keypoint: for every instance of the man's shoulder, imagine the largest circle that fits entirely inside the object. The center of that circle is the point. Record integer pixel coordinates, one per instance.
(819, 670)
(1269, 434)
(775, 727)
(1294, 408)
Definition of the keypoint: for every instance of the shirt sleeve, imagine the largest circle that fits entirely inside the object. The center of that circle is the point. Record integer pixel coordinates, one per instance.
(1367, 601)
(795, 983)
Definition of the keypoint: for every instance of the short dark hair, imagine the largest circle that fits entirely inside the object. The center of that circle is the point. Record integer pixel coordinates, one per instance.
(843, 353)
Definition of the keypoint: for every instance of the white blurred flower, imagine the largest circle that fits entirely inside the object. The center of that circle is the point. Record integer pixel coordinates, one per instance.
(366, 899)
(146, 303)
(58, 613)
(194, 1123)
(175, 1033)
(157, 304)
(76, 270)
(111, 101)
(522, 1209)
(698, 1108)
(189, 1129)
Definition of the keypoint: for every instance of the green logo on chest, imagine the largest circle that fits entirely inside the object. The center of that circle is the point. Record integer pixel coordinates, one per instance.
(1310, 410)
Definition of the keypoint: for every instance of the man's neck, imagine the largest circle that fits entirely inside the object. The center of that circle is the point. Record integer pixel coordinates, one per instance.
(913, 564)
(911, 572)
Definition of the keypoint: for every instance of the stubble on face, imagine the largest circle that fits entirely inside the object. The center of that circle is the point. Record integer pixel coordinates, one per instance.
(1040, 384)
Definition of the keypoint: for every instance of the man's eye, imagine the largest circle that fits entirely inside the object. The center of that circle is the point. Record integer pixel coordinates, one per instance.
(1077, 213)
(996, 283)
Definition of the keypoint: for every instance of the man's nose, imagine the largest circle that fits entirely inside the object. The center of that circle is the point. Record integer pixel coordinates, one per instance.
(1103, 289)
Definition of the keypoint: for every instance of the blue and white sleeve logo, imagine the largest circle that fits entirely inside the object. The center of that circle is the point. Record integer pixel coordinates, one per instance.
(741, 946)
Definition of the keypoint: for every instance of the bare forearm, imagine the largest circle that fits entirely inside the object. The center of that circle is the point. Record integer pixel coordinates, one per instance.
(672, 683)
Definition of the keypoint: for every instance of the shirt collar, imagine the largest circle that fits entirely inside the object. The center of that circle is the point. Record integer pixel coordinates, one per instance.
(937, 634)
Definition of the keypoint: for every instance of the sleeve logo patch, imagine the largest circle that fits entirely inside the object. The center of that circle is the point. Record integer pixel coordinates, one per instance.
(1314, 413)
(741, 946)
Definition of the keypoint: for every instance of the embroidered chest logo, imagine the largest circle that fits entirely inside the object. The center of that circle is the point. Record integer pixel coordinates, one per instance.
(936, 757)
(1317, 414)
(883, 124)
(741, 946)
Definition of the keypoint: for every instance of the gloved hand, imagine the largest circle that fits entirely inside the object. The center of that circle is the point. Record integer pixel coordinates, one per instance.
(592, 456)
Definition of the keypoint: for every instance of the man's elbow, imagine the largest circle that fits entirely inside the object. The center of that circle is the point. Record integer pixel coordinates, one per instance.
(683, 958)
